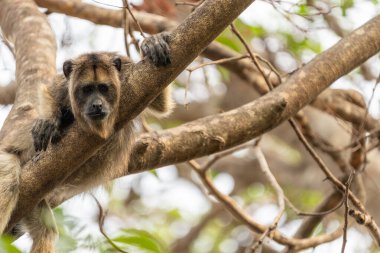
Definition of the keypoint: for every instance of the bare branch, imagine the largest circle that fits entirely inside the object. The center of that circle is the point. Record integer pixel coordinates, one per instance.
(246, 219)
(186, 42)
(8, 93)
(280, 195)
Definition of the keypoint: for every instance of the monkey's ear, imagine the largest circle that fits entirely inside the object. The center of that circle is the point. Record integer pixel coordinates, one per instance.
(67, 68)
(117, 63)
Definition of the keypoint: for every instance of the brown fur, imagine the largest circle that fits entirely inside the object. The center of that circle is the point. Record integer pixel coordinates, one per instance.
(105, 72)
(109, 161)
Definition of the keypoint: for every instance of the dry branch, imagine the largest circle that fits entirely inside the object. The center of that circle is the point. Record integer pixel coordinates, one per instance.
(219, 132)
(151, 23)
(8, 93)
(186, 41)
(174, 145)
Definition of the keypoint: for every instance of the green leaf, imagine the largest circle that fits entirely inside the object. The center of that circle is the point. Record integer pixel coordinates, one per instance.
(298, 46)
(228, 41)
(66, 243)
(224, 73)
(142, 240)
(6, 246)
(249, 32)
(154, 173)
(175, 214)
(303, 10)
(346, 4)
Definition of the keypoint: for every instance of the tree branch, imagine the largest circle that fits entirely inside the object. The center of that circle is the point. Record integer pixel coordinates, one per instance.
(8, 93)
(187, 41)
(218, 132)
(28, 30)
(152, 23)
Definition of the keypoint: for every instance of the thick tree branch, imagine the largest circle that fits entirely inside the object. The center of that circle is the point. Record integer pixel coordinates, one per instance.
(218, 132)
(152, 23)
(34, 43)
(186, 42)
(8, 93)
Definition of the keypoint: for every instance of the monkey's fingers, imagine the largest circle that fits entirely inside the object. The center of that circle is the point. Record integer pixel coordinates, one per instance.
(36, 157)
(162, 49)
(41, 133)
(148, 50)
(156, 48)
(47, 135)
(56, 136)
(36, 135)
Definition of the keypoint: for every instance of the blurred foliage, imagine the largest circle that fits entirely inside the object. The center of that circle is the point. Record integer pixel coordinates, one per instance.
(160, 226)
(140, 241)
(305, 200)
(346, 4)
(298, 46)
(6, 246)
(249, 32)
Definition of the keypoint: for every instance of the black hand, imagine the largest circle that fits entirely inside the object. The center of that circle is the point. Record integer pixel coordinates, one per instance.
(41, 132)
(156, 48)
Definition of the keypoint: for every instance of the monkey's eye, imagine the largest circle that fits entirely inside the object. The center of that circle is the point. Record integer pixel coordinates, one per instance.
(103, 88)
(87, 89)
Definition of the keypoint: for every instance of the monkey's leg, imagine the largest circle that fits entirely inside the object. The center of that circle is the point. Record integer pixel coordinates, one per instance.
(9, 186)
(42, 228)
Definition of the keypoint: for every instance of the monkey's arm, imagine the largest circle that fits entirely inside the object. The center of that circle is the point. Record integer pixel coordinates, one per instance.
(54, 116)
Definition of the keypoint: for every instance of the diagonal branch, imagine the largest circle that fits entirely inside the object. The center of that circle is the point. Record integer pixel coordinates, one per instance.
(187, 41)
(30, 33)
(218, 132)
(8, 93)
(152, 23)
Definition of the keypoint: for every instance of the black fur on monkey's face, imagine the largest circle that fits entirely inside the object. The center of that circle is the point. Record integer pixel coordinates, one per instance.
(96, 100)
(94, 90)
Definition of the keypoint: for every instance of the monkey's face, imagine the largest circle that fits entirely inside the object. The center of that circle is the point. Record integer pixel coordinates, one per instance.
(96, 100)
(94, 90)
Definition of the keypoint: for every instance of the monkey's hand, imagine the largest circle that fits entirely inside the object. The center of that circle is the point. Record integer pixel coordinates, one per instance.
(156, 48)
(43, 131)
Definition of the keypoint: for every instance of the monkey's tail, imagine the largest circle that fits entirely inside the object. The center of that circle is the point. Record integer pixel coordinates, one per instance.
(9, 186)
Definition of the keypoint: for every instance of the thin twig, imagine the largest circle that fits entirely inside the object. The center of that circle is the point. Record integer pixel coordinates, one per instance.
(101, 219)
(8, 45)
(253, 56)
(263, 164)
(301, 213)
(130, 12)
(330, 176)
(221, 61)
(214, 158)
(126, 28)
(345, 227)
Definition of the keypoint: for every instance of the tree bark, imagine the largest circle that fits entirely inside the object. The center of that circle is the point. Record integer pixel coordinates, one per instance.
(35, 48)
(187, 41)
(218, 132)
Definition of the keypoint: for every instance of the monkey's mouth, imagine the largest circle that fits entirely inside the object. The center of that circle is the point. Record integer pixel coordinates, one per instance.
(97, 115)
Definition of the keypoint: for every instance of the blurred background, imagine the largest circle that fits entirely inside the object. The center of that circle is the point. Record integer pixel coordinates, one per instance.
(168, 209)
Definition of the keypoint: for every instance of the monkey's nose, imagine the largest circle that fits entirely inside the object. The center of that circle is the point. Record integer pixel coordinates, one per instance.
(97, 106)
